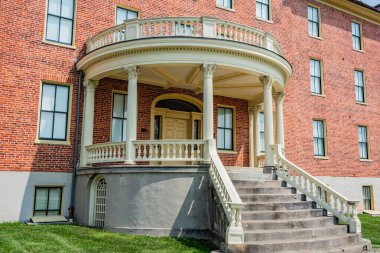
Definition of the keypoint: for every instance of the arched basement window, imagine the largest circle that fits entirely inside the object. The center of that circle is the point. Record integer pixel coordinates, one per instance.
(99, 203)
(178, 105)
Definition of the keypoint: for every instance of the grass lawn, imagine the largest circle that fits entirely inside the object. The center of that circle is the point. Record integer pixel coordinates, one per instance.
(16, 237)
(371, 229)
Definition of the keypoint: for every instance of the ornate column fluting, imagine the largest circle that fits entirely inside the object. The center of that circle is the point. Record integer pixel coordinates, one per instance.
(131, 134)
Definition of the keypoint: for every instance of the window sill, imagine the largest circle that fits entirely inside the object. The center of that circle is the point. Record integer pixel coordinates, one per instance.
(359, 50)
(66, 143)
(315, 37)
(231, 152)
(225, 8)
(265, 20)
(318, 95)
(59, 44)
(362, 103)
(366, 160)
(321, 157)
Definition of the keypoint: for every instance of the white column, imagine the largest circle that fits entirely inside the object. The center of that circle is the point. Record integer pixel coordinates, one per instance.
(208, 101)
(257, 109)
(131, 135)
(88, 118)
(268, 119)
(279, 97)
(251, 135)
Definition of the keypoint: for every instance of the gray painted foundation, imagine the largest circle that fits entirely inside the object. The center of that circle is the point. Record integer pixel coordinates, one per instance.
(351, 187)
(159, 200)
(17, 192)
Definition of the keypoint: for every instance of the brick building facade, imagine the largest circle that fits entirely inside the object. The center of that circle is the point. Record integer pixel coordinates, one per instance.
(29, 60)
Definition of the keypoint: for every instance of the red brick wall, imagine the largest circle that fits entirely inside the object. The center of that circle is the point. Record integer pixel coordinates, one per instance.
(146, 95)
(25, 60)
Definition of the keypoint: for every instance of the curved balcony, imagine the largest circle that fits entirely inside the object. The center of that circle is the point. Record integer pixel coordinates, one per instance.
(198, 27)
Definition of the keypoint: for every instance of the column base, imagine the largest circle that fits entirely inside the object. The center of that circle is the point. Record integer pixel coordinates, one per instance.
(129, 162)
(270, 169)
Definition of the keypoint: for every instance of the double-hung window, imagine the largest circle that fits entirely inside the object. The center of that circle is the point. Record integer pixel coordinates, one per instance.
(313, 19)
(224, 3)
(315, 76)
(262, 134)
(124, 14)
(359, 86)
(319, 138)
(60, 21)
(356, 36)
(47, 201)
(262, 9)
(225, 128)
(119, 117)
(367, 197)
(54, 112)
(363, 142)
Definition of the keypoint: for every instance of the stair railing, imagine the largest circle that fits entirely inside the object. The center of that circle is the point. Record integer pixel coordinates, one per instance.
(326, 197)
(228, 196)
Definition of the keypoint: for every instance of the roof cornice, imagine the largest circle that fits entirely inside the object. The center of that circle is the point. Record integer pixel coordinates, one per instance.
(355, 9)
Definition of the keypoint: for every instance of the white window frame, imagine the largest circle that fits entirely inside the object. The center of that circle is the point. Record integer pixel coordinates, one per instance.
(232, 129)
(224, 4)
(262, 132)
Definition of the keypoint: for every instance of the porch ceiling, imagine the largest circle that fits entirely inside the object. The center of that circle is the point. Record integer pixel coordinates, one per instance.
(227, 82)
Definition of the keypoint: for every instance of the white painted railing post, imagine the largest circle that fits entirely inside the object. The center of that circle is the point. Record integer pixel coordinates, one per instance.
(131, 135)
(279, 98)
(208, 105)
(268, 119)
(88, 118)
(209, 26)
(132, 29)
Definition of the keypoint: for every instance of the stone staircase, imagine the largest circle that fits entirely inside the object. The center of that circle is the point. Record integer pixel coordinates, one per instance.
(277, 219)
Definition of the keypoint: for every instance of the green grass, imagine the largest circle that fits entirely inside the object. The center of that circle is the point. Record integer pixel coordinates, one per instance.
(16, 237)
(371, 229)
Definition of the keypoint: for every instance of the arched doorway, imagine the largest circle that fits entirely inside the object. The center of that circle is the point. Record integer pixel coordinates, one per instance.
(98, 202)
(176, 116)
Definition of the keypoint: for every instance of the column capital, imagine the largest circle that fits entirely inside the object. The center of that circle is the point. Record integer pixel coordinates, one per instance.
(133, 71)
(90, 85)
(208, 70)
(267, 81)
(254, 108)
(278, 97)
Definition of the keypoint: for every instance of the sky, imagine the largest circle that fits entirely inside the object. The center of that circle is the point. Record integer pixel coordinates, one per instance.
(371, 2)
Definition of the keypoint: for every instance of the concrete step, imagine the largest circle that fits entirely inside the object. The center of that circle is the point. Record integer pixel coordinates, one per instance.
(258, 184)
(288, 224)
(266, 190)
(265, 206)
(272, 197)
(281, 215)
(326, 242)
(248, 175)
(287, 234)
(360, 247)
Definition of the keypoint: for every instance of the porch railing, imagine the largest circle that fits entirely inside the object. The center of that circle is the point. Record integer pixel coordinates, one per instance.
(228, 196)
(106, 152)
(261, 161)
(169, 150)
(326, 197)
(207, 27)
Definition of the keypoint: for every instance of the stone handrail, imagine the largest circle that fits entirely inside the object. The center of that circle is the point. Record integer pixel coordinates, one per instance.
(228, 196)
(326, 197)
(168, 150)
(106, 152)
(207, 27)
